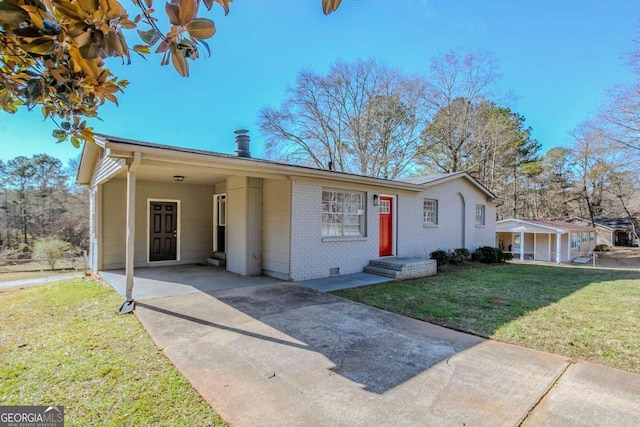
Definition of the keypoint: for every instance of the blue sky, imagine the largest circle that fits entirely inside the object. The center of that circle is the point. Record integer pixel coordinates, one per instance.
(557, 57)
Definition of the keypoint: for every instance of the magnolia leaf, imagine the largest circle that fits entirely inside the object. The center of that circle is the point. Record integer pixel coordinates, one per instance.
(60, 135)
(36, 15)
(111, 98)
(172, 10)
(163, 46)
(149, 3)
(187, 11)
(10, 14)
(201, 28)
(90, 6)
(75, 141)
(208, 4)
(41, 45)
(142, 49)
(179, 62)
(150, 37)
(224, 4)
(65, 125)
(87, 135)
(329, 6)
(70, 10)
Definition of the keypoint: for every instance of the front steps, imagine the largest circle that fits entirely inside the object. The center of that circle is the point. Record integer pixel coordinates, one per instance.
(219, 259)
(402, 268)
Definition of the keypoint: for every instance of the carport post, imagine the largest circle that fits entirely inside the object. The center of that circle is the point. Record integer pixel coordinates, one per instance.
(132, 166)
(522, 246)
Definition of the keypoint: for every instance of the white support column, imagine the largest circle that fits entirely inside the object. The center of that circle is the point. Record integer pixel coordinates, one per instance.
(549, 248)
(522, 246)
(131, 222)
(558, 248)
(535, 246)
(569, 247)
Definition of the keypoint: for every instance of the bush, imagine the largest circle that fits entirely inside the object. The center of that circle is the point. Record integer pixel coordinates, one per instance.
(490, 255)
(441, 256)
(51, 249)
(602, 248)
(459, 256)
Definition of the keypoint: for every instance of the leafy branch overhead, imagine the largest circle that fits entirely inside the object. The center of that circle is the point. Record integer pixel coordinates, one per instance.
(52, 52)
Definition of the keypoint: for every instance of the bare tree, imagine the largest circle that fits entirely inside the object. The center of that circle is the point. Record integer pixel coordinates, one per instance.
(457, 84)
(362, 117)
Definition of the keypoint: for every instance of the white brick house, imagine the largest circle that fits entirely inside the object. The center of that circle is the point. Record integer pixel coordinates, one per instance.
(157, 205)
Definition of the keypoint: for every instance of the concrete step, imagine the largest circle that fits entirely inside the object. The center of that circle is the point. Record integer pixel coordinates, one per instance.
(381, 271)
(217, 262)
(402, 268)
(220, 255)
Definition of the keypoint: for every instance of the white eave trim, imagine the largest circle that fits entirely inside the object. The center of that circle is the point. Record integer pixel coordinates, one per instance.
(125, 151)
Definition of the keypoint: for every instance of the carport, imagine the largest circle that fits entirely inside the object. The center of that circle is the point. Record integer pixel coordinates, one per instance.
(185, 279)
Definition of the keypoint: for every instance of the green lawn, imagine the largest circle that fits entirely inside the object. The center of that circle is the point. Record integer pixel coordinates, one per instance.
(589, 314)
(65, 344)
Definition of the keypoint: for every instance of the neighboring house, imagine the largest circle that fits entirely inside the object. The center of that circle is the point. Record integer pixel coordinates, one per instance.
(611, 231)
(155, 205)
(553, 241)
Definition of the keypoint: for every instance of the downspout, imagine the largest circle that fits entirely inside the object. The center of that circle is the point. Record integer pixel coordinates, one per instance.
(132, 166)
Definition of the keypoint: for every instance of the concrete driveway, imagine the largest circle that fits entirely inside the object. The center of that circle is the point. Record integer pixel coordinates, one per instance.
(286, 355)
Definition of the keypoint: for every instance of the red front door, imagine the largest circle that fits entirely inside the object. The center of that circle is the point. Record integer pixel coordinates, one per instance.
(386, 226)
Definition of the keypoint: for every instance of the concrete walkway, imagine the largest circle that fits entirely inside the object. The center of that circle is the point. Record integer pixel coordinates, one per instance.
(39, 280)
(286, 355)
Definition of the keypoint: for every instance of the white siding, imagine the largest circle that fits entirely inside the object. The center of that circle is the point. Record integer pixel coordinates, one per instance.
(196, 225)
(276, 228)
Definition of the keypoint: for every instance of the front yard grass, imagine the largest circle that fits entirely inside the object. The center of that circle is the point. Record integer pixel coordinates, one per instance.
(65, 344)
(589, 314)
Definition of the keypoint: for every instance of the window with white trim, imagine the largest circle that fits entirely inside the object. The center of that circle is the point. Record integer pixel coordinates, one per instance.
(430, 212)
(343, 213)
(574, 241)
(479, 214)
(385, 206)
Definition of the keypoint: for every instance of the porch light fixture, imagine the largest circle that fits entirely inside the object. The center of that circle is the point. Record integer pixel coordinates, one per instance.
(178, 178)
(376, 200)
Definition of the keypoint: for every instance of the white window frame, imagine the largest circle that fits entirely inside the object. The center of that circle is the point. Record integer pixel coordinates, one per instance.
(434, 221)
(338, 209)
(480, 215)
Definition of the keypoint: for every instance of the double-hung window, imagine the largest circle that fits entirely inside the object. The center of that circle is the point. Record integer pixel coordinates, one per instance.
(430, 212)
(343, 213)
(480, 215)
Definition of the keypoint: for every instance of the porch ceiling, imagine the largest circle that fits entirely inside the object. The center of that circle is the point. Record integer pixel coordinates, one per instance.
(164, 173)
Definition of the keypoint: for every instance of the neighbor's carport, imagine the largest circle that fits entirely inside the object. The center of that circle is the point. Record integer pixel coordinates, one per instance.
(540, 240)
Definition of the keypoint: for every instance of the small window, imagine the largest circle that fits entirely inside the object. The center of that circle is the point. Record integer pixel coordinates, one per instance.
(342, 213)
(385, 206)
(479, 214)
(430, 213)
(574, 241)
